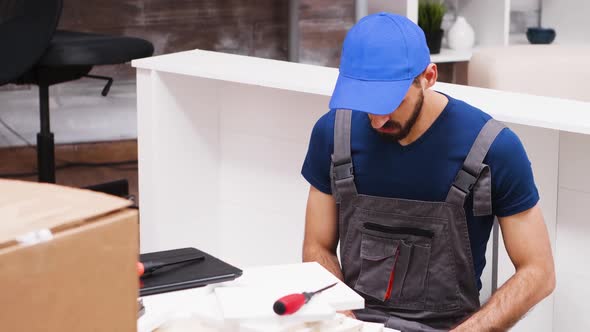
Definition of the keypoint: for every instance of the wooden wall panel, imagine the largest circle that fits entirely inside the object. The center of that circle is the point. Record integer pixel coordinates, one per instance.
(250, 27)
(323, 25)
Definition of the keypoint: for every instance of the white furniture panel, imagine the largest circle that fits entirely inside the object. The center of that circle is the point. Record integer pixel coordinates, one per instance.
(182, 151)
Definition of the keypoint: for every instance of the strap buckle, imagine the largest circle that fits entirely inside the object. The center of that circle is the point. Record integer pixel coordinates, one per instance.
(343, 171)
(342, 168)
(464, 181)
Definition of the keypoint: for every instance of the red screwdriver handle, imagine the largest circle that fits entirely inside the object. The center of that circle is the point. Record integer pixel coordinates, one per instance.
(289, 304)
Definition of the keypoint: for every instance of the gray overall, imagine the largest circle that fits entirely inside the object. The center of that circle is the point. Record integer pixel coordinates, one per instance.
(411, 260)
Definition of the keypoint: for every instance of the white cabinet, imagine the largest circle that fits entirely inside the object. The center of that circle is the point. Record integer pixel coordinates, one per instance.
(491, 19)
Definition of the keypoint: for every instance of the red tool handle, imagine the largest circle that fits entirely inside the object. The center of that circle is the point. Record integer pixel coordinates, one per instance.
(140, 269)
(289, 304)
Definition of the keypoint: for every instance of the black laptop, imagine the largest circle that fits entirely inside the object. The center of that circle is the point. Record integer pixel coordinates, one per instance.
(201, 272)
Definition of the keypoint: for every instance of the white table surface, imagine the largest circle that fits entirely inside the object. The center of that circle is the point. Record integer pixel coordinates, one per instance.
(292, 278)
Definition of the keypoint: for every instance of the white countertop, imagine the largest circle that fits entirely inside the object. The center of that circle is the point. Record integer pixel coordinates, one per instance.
(538, 111)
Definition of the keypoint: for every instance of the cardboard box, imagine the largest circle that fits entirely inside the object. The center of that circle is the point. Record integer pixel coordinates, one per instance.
(67, 259)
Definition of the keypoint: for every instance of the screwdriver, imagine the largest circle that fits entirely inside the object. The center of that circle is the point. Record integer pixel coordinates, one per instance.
(144, 268)
(289, 304)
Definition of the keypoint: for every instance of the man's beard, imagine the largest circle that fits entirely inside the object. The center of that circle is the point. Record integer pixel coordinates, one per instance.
(404, 130)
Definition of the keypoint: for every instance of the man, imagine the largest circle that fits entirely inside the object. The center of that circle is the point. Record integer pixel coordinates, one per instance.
(409, 183)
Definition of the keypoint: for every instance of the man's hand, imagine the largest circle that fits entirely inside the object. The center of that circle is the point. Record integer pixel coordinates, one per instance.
(321, 231)
(348, 313)
(527, 243)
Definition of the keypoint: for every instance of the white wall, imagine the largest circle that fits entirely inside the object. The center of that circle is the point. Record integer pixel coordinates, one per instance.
(572, 235)
(490, 20)
(569, 18)
(407, 8)
(525, 5)
(542, 146)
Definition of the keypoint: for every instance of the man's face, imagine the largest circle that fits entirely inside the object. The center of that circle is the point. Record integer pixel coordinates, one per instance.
(398, 124)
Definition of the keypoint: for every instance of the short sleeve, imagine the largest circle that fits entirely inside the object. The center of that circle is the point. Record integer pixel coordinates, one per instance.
(316, 167)
(513, 183)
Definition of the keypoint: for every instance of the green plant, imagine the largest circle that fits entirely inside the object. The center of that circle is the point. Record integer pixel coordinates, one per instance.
(430, 15)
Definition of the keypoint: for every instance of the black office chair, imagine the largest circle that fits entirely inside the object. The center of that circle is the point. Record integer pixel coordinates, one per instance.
(35, 52)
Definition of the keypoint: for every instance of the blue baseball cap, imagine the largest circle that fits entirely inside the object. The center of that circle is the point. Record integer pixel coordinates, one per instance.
(381, 56)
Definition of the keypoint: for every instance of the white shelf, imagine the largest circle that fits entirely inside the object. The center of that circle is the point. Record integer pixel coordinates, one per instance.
(448, 55)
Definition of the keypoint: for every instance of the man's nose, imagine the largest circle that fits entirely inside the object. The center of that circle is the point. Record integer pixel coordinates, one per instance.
(377, 121)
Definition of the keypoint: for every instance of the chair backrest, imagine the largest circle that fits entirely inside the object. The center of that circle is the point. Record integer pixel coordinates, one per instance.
(26, 29)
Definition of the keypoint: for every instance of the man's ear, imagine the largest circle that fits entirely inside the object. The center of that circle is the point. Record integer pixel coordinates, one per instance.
(430, 75)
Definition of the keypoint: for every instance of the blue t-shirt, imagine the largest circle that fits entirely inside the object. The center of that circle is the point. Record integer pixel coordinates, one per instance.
(425, 169)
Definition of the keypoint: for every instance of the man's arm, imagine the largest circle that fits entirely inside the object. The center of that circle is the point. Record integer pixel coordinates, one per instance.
(321, 231)
(527, 243)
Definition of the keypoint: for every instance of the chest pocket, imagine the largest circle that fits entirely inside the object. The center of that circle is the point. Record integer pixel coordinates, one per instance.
(379, 256)
(394, 263)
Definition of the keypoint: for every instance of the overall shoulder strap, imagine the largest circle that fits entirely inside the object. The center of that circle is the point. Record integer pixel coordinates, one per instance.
(474, 176)
(342, 174)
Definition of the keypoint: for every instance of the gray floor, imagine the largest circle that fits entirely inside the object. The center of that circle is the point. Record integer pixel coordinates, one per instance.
(79, 113)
